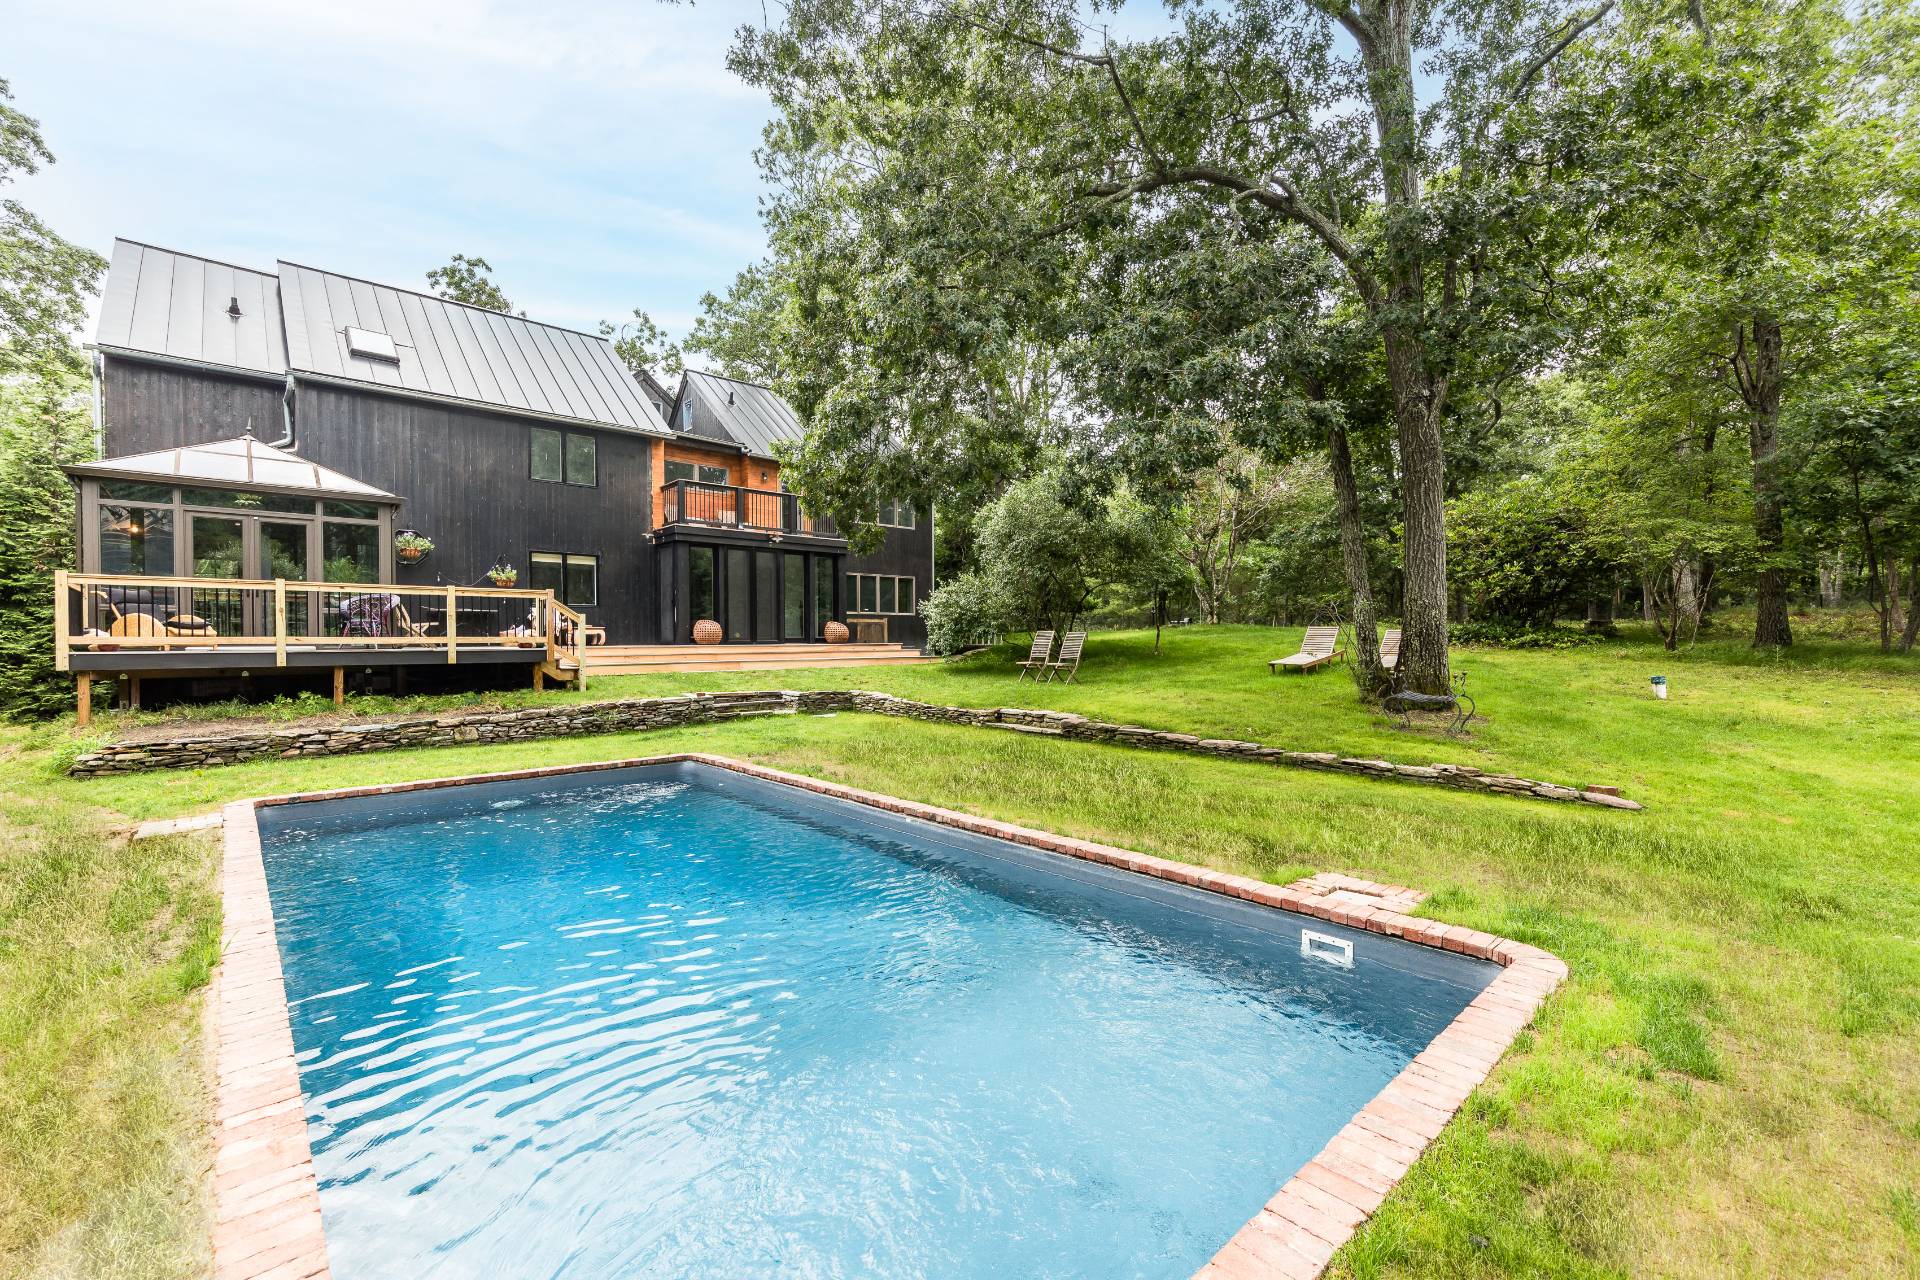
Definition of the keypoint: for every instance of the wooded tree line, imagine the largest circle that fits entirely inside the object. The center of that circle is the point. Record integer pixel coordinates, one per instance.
(1557, 298)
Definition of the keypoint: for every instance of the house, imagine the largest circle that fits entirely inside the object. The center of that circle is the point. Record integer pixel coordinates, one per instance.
(298, 424)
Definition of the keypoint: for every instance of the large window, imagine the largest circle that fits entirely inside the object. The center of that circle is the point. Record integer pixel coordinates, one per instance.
(349, 552)
(573, 579)
(563, 457)
(896, 515)
(879, 593)
(822, 593)
(136, 539)
(700, 583)
(679, 470)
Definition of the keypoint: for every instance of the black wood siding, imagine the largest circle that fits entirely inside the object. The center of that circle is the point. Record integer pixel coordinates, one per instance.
(903, 553)
(149, 406)
(462, 474)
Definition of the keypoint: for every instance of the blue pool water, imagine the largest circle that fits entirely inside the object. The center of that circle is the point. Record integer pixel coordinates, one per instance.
(672, 1021)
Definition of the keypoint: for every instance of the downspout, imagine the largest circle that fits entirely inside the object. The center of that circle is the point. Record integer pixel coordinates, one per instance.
(99, 404)
(286, 417)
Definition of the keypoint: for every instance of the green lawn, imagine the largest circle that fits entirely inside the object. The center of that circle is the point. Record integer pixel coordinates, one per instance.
(1727, 1084)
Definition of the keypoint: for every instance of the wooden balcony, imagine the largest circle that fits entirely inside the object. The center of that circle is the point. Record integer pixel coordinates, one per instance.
(727, 506)
(124, 624)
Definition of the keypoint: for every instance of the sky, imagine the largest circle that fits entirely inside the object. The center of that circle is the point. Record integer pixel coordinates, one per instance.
(600, 162)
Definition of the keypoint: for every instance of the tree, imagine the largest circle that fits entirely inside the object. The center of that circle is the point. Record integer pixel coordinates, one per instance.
(647, 348)
(44, 425)
(44, 279)
(469, 280)
(1748, 165)
(990, 133)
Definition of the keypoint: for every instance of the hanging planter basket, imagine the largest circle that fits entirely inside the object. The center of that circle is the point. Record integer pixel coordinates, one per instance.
(411, 546)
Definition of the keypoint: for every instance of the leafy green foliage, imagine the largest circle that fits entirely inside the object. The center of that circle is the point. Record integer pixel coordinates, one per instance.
(469, 280)
(44, 280)
(648, 349)
(1522, 555)
(44, 424)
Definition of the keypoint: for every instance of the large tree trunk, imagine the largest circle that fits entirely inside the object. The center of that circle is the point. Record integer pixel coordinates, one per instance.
(1912, 632)
(1760, 388)
(1386, 50)
(1367, 671)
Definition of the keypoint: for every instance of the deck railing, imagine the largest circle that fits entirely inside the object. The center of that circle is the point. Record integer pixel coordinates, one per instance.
(733, 507)
(107, 612)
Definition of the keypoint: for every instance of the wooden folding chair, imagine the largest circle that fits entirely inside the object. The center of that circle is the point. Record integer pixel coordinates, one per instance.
(1036, 660)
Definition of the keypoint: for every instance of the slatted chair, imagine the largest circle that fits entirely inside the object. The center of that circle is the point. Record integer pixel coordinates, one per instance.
(1390, 649)
(1036, 660)
(1320, 646)
(1068, 663)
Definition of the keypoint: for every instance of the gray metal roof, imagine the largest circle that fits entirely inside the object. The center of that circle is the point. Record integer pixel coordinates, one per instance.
(457, 351)
(240, 463)
(174, 304)
(747, 413)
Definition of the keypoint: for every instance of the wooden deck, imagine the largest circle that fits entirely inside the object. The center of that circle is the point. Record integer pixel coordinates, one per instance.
(641, 659)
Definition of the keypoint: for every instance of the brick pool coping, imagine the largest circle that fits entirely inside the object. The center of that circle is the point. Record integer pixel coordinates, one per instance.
(266, 1200)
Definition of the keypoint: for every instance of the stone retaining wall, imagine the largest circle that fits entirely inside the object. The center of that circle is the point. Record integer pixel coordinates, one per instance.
(629, 715)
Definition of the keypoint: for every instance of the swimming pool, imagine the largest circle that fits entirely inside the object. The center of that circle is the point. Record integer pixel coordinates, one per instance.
(673, 1020)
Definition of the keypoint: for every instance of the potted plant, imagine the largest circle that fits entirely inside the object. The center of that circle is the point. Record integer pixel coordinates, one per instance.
(411, 547)
(503, 575)
(707, 631)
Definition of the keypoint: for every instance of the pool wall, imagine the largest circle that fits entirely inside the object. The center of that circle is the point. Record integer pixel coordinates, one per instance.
(266, 1204)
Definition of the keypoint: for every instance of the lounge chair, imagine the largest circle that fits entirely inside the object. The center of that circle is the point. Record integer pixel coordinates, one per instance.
(1319, 647)
(1037, 656)
(1390, 649)
(1069, 660)
(147, 617)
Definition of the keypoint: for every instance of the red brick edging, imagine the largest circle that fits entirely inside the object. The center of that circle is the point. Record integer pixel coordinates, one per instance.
(267, 1223)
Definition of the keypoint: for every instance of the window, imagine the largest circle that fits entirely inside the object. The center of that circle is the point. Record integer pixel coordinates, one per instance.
(246, 501)
(372, 345)
(349, 552)
(568, 457)
(700, 593)
(136, 540)
(896, 515)
(135, 491)
(573, 579)
(793, 596)
(680, 470)
(879, 593)
(583, 462)
(822, 593)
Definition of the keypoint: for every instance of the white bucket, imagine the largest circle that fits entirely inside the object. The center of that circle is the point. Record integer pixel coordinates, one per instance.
(1660, 688)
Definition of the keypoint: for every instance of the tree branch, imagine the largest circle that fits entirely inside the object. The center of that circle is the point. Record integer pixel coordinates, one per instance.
(1557, 48)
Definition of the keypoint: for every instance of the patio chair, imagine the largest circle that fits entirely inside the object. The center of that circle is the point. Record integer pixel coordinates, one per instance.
(147, 617)
(1037, 656)
(377, 614)
(1390, 649)
(1068, 663)
(1319, 647)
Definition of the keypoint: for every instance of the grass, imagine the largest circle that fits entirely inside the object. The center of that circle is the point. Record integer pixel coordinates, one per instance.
(1725, 1086)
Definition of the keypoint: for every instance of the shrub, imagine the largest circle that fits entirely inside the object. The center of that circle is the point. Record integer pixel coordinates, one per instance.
(962, 611)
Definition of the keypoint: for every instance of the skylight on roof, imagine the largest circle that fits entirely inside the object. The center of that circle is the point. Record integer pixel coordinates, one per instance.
(372, 345)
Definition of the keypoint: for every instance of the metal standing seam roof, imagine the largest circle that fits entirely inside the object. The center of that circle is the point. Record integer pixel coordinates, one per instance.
(753, 416)
(240, 463)
(164, 303)
(460, 352)
(176, 305)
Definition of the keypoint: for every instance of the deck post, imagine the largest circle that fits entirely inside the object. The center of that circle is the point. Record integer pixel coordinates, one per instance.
(83, 709)
(279, 622)
(453, 622)
(133, 693)
(339, 686)
(60, 621)
(539, 679)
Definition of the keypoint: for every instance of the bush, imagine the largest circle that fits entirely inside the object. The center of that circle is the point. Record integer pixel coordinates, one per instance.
(1519, 635)
(962, 611)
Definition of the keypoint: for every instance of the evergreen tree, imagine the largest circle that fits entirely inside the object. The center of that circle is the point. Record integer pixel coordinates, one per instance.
(44, 425)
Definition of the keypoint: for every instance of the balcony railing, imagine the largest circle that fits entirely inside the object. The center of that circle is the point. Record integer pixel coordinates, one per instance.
(729, 506)
(264, 619)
